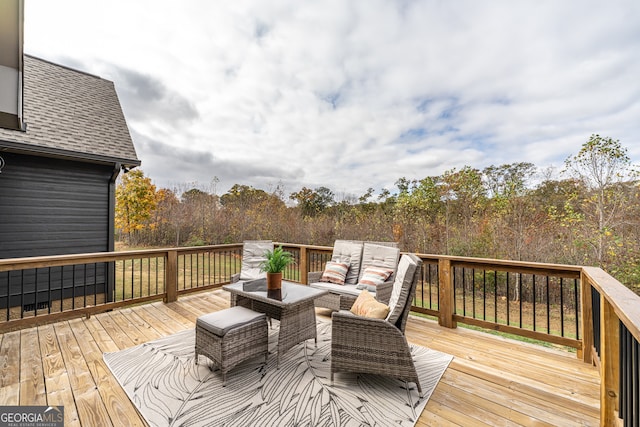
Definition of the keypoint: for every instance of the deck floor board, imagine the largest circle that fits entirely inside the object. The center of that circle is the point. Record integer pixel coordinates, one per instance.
(491, 381)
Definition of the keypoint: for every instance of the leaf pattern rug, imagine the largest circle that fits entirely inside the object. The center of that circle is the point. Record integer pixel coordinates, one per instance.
(169, 389)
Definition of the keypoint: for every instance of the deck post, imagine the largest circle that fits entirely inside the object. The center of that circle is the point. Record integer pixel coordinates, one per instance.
(586, 354)
(171, 276)
(447, 303)
(609, 369)
(303, 265)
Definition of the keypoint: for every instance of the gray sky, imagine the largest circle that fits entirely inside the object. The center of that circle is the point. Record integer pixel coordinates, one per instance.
(352, 94)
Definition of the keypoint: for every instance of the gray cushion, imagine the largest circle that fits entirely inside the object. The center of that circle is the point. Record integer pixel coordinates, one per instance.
(374, 255)
(401, 287)
(348, 252)
(253, 252)
(338, 289)
(221, 322)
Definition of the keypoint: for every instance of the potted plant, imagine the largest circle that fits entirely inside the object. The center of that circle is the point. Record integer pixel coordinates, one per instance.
(274, 263)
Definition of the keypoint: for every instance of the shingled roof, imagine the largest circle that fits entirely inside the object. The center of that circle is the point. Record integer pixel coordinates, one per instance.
(70, 114)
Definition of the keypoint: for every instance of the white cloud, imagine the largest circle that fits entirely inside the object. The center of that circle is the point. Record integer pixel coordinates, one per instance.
(351, 95)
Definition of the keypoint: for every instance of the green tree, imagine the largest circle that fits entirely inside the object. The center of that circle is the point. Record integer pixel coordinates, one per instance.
(514, 214)
(464, 195)
(418, 210)
(242, 196)
(603, 165)
(135, 203)
(199, 207)
(251, 213)
(166, 220)
(313, 202)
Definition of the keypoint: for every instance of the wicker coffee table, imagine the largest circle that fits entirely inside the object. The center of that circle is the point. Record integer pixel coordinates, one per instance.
(293, 306)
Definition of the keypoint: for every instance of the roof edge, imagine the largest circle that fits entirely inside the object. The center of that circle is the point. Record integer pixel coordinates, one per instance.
(20, 148)
(67, 67)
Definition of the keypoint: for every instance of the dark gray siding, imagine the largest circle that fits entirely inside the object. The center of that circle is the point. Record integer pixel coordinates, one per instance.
(52, 206)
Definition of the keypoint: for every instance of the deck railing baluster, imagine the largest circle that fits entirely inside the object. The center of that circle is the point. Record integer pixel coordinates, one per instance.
(562, 306)
(8, 306)
(464, 292)
(535, 297)
(631, 369)
(49, 289)
(455, 287)
(520, 298)
(22, 294)
(84, 286)
(622, 372)
(508, 301)
(149, 276)
(484, 294)
(576, 299)
(73, 287)
(548, 306)
(35, 294)
(495, 296)
(473, 290)
(124, 280)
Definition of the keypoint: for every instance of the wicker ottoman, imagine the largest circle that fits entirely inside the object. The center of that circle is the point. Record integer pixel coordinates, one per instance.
(228, 337)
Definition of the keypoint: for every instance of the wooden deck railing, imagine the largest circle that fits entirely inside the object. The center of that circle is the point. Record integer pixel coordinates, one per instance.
(611, 316)
(579, 307)
(45, 289)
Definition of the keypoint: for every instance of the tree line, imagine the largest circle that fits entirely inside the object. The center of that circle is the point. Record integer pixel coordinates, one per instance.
(587, 215)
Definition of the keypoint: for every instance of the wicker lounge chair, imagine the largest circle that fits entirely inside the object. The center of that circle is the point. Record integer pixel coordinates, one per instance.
(253, 252)
(358, 255)
(378, 346)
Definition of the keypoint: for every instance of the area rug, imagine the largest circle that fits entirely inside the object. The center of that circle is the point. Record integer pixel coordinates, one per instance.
(169, 389)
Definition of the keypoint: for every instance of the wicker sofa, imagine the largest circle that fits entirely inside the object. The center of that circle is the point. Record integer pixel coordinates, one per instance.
(358, 255)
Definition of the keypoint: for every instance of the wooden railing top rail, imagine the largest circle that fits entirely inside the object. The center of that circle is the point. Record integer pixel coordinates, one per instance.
(70, 259)
(624, 301)
(559, 270)
(308, 247)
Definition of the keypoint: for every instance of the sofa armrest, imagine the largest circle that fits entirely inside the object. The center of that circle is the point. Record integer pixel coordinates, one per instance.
(313, 276)
(383, 291)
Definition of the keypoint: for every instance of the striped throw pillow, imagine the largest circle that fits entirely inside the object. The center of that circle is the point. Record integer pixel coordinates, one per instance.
(335, 272)
(373, 276)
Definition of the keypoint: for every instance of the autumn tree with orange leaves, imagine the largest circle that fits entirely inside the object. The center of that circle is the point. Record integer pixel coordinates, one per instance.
(135, 204)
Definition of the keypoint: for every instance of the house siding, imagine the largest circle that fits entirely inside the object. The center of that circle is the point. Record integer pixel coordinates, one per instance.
(52, 207)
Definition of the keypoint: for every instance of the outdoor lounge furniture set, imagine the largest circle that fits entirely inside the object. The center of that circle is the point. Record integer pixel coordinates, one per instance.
(367, 332)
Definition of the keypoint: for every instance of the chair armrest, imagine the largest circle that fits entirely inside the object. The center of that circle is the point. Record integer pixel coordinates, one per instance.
(345, 319)
(313, 276)
(383, 291)
(352, 332)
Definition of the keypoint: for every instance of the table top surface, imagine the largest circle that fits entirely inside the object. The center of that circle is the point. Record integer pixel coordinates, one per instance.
(290, 294)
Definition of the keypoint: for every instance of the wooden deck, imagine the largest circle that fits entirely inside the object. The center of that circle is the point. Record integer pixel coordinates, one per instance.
(491, 381)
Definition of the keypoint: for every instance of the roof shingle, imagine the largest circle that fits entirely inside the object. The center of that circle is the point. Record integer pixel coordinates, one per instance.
(73, 113)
